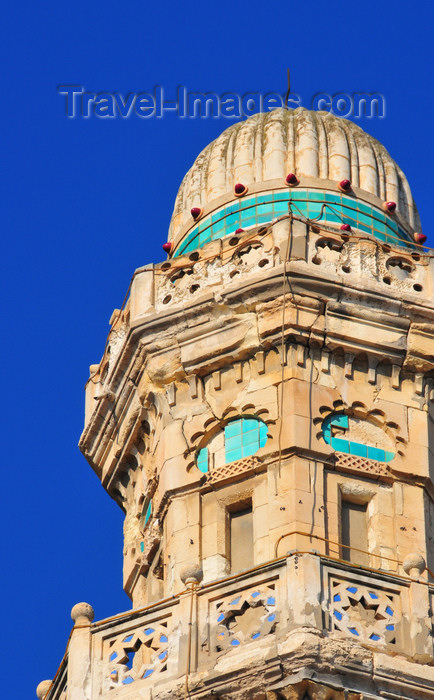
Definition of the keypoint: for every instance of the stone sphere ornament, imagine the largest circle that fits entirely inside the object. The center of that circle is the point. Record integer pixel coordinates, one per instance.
(42, 689)
(82, 613)
(414, 564)
(344, 186)
(191, 574)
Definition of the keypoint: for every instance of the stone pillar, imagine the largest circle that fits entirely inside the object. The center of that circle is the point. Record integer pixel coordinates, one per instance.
(420, 616)
(79, 653)
(191, 576)
(304, 591)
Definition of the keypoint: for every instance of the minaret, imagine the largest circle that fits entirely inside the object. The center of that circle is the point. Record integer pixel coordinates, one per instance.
(262, 414)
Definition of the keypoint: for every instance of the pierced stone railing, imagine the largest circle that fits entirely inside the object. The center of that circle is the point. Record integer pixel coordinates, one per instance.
(222, 627)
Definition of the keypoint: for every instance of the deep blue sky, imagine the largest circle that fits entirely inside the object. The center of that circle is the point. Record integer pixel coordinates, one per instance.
(85, 202)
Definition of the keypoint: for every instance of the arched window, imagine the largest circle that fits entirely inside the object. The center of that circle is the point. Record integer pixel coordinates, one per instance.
(240, 438)
(357, 436)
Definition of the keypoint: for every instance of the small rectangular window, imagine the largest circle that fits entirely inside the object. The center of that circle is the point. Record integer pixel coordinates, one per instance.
(241, 539)
(354, 532)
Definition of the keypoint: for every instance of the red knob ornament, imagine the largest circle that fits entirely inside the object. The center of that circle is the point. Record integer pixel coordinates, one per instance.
(345, 227)
(344, 186)
(389, 207)
(240, 189)
(196, 213)
(292, 180)
(419, 238)
(167, 247)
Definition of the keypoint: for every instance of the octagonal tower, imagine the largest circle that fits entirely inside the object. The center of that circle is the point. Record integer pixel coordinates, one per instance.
(262, 414)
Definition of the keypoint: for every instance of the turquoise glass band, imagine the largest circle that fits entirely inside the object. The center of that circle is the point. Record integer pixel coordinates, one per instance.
(322, 206)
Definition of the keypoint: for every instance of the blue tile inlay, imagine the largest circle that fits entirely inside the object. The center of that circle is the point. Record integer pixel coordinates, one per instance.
(340, 420)
(263, 208)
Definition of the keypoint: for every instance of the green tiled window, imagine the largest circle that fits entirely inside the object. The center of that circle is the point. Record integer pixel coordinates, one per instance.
(341, 444)
(243, 437)
(202, 460)
(322, 206)
(147, 511)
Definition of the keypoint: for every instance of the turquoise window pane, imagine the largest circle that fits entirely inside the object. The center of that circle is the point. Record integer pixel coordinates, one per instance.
(233, 428)
(340, 445)
(330, 216)
(281, 207)
(365, 208)
(332, 198)
(349, 220)
(232, 207)
(363, 227)
(262, 434)
(244, 437)
(232, 219)
(298, 194)
(264, 209)
(301, 207)
(232, 455)
(204, 224)
(233, 442)
(219, 225)
(148, 512)
(340, 420)
(315, 209)
(263, 198)
(204, 238)
(278, 196)
(248, 221)
(389, 456)
(347, 202)
(249, 424)
(249, 450)
(251, 438)
(382, 236)
(376, 453)
(263, 218)
(365, 219)
(356, 448)
(202, 460)
(379, 221)
(316, 196)
(216, 216)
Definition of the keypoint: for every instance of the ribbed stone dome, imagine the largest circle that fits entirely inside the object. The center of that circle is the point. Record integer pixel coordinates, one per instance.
(313, 145)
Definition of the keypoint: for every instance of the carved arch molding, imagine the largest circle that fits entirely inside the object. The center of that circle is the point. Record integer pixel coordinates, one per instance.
(309, 690)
